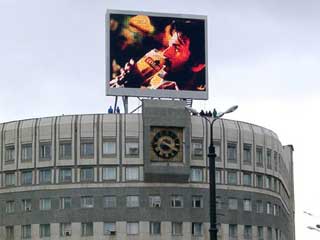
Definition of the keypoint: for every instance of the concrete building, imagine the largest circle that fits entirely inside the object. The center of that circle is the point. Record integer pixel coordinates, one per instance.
(142, 176)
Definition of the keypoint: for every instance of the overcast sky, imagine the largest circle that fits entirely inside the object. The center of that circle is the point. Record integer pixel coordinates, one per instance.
(263, 56)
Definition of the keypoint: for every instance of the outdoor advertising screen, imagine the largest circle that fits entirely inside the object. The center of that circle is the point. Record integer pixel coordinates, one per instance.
(156, 55)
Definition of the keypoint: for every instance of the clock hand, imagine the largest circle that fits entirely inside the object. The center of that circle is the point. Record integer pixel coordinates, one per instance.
(171, 146)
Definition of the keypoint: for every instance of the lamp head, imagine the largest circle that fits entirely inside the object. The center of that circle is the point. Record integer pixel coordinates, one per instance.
(232, 109)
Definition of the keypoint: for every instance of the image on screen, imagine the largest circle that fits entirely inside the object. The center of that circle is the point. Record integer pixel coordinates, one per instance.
(156, 53)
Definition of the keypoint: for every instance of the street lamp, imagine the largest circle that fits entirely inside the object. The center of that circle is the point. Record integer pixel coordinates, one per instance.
(212, 167)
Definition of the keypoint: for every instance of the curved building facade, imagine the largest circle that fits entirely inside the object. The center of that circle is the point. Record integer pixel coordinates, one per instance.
(142, 176)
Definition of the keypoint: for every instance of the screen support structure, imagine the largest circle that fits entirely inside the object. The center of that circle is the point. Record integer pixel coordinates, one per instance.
(125, 103)
(115, 103)
(125, 100)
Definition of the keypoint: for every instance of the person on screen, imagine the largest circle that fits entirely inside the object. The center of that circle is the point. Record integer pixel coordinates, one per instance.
(176, 63)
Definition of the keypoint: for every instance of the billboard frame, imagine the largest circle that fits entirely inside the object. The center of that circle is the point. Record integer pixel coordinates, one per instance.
(158, 93)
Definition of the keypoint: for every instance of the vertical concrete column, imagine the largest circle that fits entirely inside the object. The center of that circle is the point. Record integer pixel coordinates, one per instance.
(35, 231)
(121, 230)
(76, 231)
(55, 233)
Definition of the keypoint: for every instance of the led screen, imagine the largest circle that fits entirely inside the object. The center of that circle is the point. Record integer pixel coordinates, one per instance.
(156, 55)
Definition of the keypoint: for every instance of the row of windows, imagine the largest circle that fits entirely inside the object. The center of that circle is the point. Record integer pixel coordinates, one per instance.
(248, 179)
(65, 175)
(133, 174)
(260, 206)
(233, 233)
(154, 201)
(133, 228)
(247, 154)
(65, 150)
(132, 201)
(109, 148)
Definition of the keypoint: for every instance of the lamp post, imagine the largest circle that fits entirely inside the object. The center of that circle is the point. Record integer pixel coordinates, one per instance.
(212, 167)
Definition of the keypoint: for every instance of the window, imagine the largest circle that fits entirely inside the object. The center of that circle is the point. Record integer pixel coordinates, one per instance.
(45, 204)
(197, 149)
(197, 229)
(65, 151)
(232, 178)
(275, 210)
(132, 173)
(276, 185)
(10, 179)
(86, 149)
(26, 178)
(219, 234)
(233, 203)
(44, 176)
(233, 231)
(132, 228)
(247, 232)
(65, 175)
(155, 228)
(9, 232)
(275, 159)
(10, 206)
(45, 230)
(260, 233)
(110, 201)
(247, 179)
(268, 182)
(247, 154)
(65, 202)
(108, 148)
(86, 175)
(269, 159)
(65, 229)
(197, 201)
(109, 228)
(176, 201)
(45, 151)
(217, 151)
(232, 152)
(177, 228)
(109, 173)
(87, 229)
(259, 206)
(269, 208)
(269, 233)
(10, 153)
(26, 231)
(196, 175)
(259, 157)
(132, 148)
(259, 182)
(26, 205)
(218, 203)
(154, 201)
(87, 202)
(218, 177)
(278, 234)
(247, 205)
(132, 201)
(26, 152)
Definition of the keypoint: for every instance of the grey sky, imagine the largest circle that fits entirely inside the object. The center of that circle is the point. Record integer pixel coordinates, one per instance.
(263, 56)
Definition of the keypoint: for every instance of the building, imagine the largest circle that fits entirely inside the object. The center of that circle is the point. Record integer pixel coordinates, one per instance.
(142, 176)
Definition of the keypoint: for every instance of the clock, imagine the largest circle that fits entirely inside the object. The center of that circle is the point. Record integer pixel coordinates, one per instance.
(166, 144)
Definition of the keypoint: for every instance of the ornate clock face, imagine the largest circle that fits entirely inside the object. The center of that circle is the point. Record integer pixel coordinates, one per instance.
(166, 144)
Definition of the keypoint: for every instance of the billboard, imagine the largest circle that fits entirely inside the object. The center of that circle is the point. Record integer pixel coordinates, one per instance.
(156, 55)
